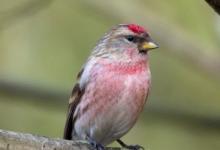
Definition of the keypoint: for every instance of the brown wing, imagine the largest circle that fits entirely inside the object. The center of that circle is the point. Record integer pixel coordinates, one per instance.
(73, 102)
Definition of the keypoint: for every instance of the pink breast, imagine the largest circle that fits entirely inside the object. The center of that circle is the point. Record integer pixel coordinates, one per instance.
(113, 91)
(110, 84)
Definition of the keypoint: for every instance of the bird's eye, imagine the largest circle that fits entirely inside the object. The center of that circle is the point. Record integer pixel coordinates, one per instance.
(130, 38)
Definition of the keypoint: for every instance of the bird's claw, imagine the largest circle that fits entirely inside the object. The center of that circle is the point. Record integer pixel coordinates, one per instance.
(130, 147)
(134, 147)
(96, 146)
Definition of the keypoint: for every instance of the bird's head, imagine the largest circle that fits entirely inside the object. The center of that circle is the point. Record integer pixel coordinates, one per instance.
(125, 40)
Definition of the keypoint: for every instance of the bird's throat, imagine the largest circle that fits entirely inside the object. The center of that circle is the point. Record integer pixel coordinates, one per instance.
(127, 67)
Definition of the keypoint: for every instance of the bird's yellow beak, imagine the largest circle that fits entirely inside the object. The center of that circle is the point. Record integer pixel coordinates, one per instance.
(145, 46)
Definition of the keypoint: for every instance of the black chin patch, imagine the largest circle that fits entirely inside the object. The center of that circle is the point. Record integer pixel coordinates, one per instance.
(143, 51)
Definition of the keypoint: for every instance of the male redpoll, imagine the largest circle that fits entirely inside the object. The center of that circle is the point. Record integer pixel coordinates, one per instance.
(112, 88)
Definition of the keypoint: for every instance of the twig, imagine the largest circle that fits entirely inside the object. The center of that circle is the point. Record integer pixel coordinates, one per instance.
(215, 4)
(22, 141)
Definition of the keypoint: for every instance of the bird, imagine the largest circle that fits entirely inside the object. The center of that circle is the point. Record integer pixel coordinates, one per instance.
(111, 88)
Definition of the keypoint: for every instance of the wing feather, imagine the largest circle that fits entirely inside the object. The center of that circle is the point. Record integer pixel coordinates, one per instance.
(74, 100)
(83, 78)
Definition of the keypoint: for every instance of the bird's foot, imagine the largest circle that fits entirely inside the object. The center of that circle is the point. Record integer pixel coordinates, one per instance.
(134, 147)
(96, 145)
(130, 147)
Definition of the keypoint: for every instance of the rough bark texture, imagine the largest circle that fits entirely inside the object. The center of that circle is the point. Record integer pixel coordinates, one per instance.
(19, 141)
(215, 4)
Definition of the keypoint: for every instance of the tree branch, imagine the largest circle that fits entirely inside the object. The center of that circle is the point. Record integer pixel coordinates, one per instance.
(19, 141)
(215, 4)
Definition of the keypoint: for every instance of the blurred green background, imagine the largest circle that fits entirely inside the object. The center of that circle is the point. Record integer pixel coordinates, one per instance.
(43, 45)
